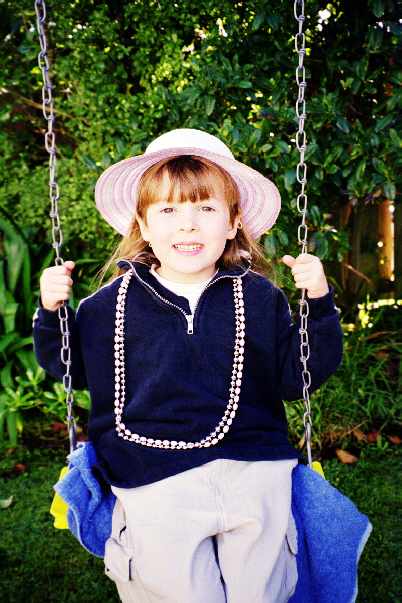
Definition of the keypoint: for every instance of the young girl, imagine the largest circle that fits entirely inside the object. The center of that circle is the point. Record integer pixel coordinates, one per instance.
(188, 353)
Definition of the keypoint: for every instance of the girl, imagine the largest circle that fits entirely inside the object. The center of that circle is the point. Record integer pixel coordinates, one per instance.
(188, 353)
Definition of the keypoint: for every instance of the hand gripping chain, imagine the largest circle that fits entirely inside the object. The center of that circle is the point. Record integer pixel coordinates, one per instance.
(54, 194)
(301, 175)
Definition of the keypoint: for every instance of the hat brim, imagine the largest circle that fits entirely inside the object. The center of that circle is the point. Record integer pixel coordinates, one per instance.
(116, 189)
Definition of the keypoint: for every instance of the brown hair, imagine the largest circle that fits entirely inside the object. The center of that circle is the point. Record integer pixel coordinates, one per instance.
(191, 178)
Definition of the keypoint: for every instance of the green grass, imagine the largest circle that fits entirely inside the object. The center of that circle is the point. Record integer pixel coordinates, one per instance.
(374, 486)
(39, 563)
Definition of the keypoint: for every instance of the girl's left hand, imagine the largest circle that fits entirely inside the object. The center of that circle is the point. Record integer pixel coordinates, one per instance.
(308, 273)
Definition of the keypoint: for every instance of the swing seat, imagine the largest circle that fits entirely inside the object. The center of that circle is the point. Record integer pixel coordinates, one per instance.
(59, 507)
(87, 505)
(331, 531)
(331, 535)
(317, 467)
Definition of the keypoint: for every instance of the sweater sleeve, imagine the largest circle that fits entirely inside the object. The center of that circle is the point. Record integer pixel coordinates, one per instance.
(47, 341)
(325, 337)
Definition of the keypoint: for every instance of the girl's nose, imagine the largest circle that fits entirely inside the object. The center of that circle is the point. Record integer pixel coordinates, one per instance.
(189, 219)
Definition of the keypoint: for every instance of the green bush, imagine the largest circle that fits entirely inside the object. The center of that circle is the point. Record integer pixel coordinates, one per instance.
(364, 393)
(123, 73)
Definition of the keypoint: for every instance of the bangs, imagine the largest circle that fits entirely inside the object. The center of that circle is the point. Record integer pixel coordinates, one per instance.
(186, 178)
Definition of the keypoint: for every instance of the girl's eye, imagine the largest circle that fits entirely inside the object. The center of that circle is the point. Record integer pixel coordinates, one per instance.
(169, 210)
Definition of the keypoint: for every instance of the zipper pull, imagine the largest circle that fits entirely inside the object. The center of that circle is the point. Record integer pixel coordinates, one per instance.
(190, 319)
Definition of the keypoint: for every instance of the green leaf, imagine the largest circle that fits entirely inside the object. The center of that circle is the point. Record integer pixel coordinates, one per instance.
(255, 136)
(274, 20)
(282, 236)
(361, 168)
(377, 7)
(289, 178)
(374, 140)
(26, 286)
(27, 359)
(226, 64)
(343, 125)
(15, 248)
(390, 190)
(21, 342)
(383, 122)
(270, 245)
(209, 104)
(257, 22)
(120, 147)
(11, 422)
(395, 138)
(361, 68)
(9, 312)
(356, 85)
(318, 172)
(5, 340)
(106, 160)
(245, 84)
(284, 147)
(6, 379)
(90, 163)
(375, 38)
(380, 167)
(332, 169)
(320, 243)
(315, 215)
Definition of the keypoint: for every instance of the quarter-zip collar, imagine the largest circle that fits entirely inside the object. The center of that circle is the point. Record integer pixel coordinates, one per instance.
(144, 269)
(141, 271)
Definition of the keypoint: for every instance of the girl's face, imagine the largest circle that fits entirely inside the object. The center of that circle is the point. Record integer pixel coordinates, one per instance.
(172, 227)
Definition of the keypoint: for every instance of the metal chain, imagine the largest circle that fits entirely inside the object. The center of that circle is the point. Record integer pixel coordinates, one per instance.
(301, 175)
(54, 194)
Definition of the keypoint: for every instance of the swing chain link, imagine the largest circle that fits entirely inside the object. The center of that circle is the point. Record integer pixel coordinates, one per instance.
(301, 175)
(54, 195)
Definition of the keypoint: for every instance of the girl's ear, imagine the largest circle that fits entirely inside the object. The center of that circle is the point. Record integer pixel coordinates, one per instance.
(233, 231)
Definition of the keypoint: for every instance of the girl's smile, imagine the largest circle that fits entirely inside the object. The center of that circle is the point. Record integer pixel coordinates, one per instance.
(188, 248)
(188, 237)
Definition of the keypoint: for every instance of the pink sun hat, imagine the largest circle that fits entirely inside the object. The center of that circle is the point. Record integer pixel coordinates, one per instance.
(116, 188)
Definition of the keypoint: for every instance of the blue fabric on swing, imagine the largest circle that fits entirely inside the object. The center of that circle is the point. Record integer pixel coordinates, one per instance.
(331, 531)
(331, 535)
(90, 502)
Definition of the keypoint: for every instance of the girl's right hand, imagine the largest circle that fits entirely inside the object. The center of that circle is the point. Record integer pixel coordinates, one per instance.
(56, 285)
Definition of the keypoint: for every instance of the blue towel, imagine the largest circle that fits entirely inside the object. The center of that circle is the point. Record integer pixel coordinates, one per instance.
(331, 531)
(331, 535)
(90, 503)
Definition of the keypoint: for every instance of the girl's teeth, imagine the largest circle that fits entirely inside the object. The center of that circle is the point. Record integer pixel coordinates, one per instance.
(188, 247)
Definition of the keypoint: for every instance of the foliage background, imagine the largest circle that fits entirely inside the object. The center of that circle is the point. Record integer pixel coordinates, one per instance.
(124, 72)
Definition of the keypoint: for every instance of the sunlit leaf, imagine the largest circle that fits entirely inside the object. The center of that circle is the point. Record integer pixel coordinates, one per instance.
(346, 457)
(6, 502)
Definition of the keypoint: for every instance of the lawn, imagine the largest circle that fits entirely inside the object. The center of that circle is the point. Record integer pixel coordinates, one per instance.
(39, 563)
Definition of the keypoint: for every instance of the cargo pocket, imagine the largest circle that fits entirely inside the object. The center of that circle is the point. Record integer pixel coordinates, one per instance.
(290, 546)
(119, 555)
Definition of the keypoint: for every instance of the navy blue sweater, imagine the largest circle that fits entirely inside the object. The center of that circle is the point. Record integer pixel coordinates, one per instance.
(177, 382)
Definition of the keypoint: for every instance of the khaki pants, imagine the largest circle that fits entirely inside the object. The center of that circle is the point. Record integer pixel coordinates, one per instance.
(221, 532)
